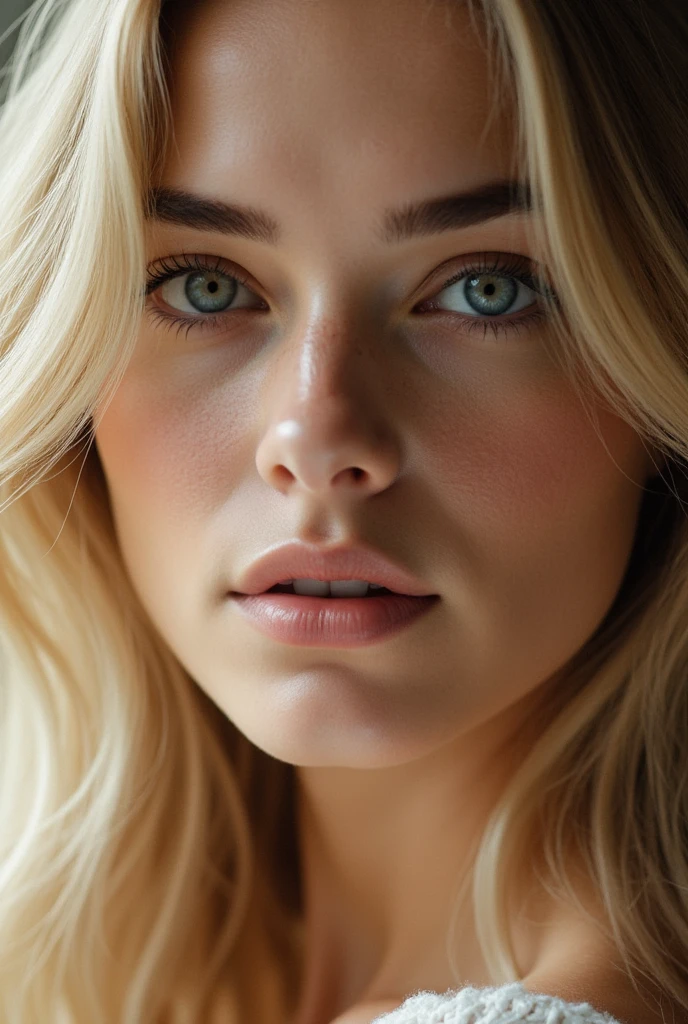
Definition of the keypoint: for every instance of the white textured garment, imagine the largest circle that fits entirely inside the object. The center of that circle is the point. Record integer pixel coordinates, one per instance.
(499, 1004)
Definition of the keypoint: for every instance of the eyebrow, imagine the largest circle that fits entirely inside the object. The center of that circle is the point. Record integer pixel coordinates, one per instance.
(428, 217)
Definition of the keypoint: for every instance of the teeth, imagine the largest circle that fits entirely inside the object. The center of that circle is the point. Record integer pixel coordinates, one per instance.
(311, 588)
(335, 588)
(348, 588)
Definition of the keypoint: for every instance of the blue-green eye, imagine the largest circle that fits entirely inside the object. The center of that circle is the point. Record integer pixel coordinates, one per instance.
(205, 291)
(490, 294)
(199, 296)
(188, 285)
(484, 294)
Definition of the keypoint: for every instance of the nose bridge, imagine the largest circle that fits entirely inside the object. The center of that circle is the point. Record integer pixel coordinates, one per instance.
(322, 359)
(320, 385)
(327, 352)
(321, 422)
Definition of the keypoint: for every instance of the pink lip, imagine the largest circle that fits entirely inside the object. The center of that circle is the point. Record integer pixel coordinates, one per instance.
(331, 622)
(295, 560)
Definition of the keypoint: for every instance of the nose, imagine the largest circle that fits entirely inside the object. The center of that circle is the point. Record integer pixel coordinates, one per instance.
(327, 433)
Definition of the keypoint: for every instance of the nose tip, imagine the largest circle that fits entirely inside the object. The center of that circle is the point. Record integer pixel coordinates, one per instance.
(326, 459)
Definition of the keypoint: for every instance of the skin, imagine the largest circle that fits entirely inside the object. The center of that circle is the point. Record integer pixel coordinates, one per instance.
(482, 473)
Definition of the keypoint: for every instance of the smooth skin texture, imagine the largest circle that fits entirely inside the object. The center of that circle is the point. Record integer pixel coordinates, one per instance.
(481, 471)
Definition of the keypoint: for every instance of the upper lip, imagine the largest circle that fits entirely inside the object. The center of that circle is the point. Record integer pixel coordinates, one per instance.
(298, 561)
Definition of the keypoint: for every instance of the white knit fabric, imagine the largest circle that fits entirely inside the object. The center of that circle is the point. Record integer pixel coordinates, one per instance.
(502, 1004)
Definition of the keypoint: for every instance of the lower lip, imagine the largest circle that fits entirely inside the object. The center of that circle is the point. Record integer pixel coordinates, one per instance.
(331, 621)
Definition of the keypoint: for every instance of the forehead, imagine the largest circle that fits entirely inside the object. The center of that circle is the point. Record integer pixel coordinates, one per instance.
(312, 101)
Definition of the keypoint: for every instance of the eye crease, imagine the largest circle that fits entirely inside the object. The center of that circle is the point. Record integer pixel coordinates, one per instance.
(490, 280)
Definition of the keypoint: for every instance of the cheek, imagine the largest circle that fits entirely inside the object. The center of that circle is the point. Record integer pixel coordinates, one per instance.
(544, 512)
(166, 476)
(164, 447)
(514, 450)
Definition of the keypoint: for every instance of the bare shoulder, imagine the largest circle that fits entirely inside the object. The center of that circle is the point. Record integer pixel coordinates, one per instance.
(578, 962)
(611, 993)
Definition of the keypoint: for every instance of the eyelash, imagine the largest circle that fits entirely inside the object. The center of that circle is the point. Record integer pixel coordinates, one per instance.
(515, 267)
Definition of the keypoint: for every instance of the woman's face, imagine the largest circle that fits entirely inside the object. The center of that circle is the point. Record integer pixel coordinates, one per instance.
(481, 471)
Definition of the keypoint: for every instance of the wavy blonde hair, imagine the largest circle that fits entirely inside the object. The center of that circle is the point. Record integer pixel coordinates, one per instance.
(149, 868)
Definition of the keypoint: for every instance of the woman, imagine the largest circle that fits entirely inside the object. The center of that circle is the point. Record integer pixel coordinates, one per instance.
(383, 291)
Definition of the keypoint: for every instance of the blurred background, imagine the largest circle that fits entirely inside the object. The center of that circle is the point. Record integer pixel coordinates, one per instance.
(9, 12)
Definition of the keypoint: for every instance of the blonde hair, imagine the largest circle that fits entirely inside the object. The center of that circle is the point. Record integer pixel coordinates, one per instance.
(148, 863)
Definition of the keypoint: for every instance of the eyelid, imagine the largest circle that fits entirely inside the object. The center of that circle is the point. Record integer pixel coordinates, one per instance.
(171, 267)
(501, 264)
(528, 271)
(516, 265)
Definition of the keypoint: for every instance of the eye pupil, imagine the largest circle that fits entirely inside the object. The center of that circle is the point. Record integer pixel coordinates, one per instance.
(482, 298)
(202, 288)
